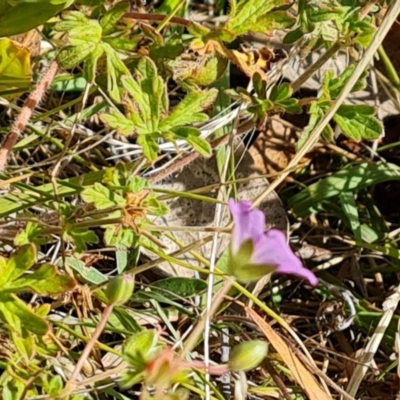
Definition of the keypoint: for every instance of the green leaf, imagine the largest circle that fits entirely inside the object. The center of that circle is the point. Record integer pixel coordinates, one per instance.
(81, 237)
(140, 349)
(192, 136)
(248, 13)
(260, 86)
(148, 92)
(137, 184)
(71, 56)
(127, 319)
(178, 288)
(170, 50)
(272, 21)
(55, 386)
(368, 234)
(327, 14)
(149, 145)
(19, 316)
(22, 17)
(350, 209)
(90, 66)
(220, 35)
(119, 122)
(188, 111)
(333, 86)
(101, 197)
(15, 65)
(116, 236)
(45, 281)
(293, 36)
(357, 122)
(198, 30)
(115, 70)
(89, 274)
(351, 179)
(316, 111)
(209, 72)
(112, 17)
(32, 233)
(25, 344)
(281, 92)
(19, 262)
(84, 36)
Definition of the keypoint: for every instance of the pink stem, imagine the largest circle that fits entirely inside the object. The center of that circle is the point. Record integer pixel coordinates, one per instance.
(26, 112)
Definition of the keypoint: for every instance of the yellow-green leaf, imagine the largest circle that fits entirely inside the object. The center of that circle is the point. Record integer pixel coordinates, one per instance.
(15, 65)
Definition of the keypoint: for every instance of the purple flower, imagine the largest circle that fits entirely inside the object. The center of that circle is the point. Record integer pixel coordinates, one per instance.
(255, 253)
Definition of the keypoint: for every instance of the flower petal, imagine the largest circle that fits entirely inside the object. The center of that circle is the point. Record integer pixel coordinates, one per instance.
(248, 223)
(272, 249)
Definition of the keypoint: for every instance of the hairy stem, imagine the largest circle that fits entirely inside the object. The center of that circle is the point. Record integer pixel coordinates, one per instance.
(26, 113)
(86, 351)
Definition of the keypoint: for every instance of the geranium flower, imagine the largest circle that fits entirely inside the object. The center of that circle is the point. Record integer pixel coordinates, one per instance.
(255, 253)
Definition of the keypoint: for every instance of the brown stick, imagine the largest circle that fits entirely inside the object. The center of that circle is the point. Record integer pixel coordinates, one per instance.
(26, 113)
(156, 17)
(192, 156)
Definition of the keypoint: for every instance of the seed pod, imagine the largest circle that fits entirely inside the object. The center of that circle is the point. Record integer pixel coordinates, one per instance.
(248, 355)
(119, 289)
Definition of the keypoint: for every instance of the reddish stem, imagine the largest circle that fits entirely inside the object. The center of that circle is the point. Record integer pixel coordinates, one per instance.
(86, 351)
(156, 17)
(25, 114)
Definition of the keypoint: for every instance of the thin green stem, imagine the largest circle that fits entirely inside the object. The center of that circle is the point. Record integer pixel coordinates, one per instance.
(170, 16)
(390, 69)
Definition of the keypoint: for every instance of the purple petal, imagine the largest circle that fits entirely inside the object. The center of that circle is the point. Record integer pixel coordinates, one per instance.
(272, 249)
(248, 223)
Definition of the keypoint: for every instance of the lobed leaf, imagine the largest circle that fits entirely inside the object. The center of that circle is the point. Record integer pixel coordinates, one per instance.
(357, 122)
(249, 12)
(188, 111)
(19, 316)
(101, 197)
(19, 262)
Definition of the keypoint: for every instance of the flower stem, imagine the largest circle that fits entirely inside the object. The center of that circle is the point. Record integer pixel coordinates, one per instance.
(199, 328)
(85, 354)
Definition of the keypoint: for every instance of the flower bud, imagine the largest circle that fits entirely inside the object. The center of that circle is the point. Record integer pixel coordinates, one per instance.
(119, 289)
(248, 355)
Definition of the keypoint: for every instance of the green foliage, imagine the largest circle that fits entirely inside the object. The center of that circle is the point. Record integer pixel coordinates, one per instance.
(256, 16)
(15, 66)
(13, 279)
(126, 199)
(173, 289)
(21, 16)
(138, 351)
(327, 22)
(351, 179)
(261, 105)
(66, 207)
(355, 121)
(92, 39)
(147, 112)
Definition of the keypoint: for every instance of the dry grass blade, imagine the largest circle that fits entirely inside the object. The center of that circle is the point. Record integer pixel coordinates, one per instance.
(302, 376)
(9, 181)
(389, 307)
